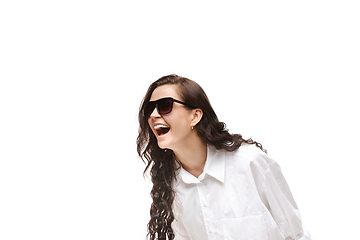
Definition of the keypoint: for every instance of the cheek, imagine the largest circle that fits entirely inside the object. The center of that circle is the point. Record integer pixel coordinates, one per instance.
(179, 125)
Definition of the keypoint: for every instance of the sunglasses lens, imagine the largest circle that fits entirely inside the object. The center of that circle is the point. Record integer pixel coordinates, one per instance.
(149, 108)
(165, 106)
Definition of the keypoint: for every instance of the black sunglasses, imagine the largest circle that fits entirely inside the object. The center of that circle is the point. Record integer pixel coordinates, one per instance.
(163, 106)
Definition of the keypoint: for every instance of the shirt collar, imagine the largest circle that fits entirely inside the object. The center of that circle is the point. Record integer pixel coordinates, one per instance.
(214, 166)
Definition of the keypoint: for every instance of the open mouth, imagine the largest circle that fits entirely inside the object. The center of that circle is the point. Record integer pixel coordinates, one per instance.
(161, 129)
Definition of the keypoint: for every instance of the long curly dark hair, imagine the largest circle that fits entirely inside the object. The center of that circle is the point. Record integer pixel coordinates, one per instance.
(163, 162)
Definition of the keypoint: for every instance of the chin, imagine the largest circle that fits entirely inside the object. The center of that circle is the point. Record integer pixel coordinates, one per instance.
(164, 140)
(163, 144)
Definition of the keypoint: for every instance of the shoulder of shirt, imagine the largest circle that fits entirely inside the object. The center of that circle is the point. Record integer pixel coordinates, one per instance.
(253, 156)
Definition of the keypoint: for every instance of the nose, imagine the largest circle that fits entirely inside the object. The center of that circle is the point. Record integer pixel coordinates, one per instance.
(155, 114)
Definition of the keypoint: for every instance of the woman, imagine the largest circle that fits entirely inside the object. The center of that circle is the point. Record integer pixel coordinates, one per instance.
(208, 183)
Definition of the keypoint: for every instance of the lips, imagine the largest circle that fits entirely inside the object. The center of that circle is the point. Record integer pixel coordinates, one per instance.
(161, 129)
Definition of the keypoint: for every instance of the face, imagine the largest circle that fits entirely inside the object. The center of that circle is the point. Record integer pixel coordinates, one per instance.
(174, 128)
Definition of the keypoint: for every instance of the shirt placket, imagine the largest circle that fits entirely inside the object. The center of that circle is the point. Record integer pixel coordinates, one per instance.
(205, 211)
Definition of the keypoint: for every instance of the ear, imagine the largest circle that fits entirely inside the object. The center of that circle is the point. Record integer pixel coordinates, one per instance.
(196, 116)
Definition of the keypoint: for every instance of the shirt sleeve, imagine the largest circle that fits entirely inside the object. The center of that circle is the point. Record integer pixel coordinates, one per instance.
(276, 196)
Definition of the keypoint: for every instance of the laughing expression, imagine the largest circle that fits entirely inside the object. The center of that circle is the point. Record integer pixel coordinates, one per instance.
(173, 128)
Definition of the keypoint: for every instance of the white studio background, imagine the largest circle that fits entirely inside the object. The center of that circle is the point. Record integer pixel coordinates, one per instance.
(73, 74)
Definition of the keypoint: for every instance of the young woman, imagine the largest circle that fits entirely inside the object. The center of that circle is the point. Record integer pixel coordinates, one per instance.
(208, 183)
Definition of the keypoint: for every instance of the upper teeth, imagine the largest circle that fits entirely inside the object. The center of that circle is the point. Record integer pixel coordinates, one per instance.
(160, 126)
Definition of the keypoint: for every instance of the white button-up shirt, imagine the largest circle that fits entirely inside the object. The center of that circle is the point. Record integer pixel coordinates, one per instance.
(240, 195)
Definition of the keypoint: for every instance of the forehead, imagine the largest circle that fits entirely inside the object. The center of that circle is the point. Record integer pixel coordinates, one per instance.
(168, 90)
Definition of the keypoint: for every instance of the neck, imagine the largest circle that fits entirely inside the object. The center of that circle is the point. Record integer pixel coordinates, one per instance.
(192, 155)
